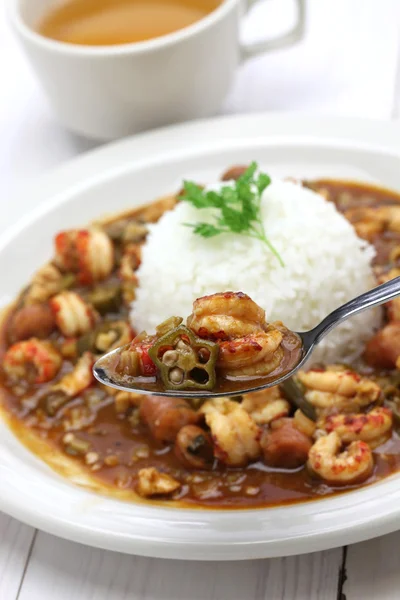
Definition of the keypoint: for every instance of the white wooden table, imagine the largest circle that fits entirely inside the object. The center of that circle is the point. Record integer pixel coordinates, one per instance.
(348, 64)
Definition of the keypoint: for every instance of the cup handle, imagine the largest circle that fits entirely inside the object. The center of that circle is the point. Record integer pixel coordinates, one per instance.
(287, 39)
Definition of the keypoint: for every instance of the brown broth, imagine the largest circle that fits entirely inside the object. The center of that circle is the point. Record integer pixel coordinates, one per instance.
(110, 22)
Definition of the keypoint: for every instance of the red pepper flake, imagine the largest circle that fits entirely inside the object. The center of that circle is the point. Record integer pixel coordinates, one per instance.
(148, 368)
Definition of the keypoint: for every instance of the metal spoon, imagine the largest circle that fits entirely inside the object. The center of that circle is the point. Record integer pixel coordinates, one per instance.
(379, 295)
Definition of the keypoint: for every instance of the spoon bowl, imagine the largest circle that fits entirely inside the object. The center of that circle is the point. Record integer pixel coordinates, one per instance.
(103, 368)
(103, 372)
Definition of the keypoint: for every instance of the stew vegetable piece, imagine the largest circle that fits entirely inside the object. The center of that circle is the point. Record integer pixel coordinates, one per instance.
(255, 450)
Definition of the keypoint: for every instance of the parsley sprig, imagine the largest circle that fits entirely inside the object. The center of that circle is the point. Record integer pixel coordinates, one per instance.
(239, 207)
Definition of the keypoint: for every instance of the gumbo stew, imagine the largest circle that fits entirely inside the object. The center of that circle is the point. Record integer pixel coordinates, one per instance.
(253, 451)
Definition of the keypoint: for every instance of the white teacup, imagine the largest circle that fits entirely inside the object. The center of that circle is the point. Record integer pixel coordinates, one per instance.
(107, 92)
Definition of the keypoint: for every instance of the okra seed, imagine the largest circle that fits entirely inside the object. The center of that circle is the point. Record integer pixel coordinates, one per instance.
(170, 358)
(176, 375)
(181, 345)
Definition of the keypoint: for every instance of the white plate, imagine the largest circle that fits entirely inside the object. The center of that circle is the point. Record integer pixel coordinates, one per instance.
(135, 171)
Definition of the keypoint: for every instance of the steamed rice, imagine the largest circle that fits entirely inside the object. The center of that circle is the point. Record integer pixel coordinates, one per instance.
(326, 264)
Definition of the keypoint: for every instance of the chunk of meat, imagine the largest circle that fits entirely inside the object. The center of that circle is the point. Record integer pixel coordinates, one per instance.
(383, 349)
(234, 173)
(151, 482)
(234, 433)
(35, 320)
(194, 447)
(166, 416)
(284, 445)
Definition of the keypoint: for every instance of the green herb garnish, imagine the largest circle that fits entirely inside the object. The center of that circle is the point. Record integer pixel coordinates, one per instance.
(239, 207)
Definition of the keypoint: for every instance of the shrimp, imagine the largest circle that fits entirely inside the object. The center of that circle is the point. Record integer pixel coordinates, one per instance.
(80, 378)
(73, 316)
(247, 344)
(352, 465)
(130, 262)
(266, 405)
(374, 427)
(87, 252)
(329, 389)
(33, 359)
(254, 354)
(225, 315)
(151, 482)
(234, 433)
(344, 383)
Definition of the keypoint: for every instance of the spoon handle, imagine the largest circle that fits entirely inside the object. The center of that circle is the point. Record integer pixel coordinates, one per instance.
(378, 295)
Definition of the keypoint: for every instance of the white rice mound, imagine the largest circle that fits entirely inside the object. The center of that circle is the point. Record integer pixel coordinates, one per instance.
(325, 265)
